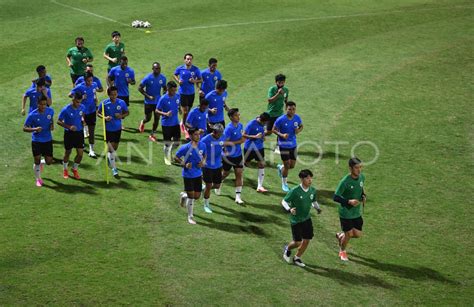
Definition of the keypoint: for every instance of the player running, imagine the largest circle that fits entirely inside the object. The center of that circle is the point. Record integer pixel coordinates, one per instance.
(210, 76)
(217, 104)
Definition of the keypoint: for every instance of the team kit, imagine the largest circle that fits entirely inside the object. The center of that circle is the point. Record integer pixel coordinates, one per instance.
(210, 150)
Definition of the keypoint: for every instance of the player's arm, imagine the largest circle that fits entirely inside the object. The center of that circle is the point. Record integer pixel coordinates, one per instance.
(316, 206)
(277, 132)
(287, 206)
(273, 97)
(124, 114)
(28, 128)
(177, 79)
(68, 60)
(61, 123)
(23, 104)
(141, 89)
(299, 129)
(107, 57)
(132, 79)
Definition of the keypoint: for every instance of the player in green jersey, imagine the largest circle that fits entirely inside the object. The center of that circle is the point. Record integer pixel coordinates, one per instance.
(114, 51)
(77, 58)
(277, 96)
(298, 203)
(351, 197)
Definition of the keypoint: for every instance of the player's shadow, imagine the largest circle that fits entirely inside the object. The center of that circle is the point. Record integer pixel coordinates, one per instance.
(348, 278)
(130, 159)
(148, 178)
(417, 274)
(122, 140)
(68, 186)
(140, 101)
(322, 155)
(114, 183)
(247, 217)
(232, 228)
(325, 197)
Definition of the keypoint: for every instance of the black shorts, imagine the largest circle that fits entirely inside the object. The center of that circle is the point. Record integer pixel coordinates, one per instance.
(75, 77)
(193, 184)
(42, 148)
(209, 126)
(210, 175)
(171, 133)
(254, 154)
(187, 100)
(271, 122)
(126, 99)
(73, 139)
(113, 136)
(303, 230)
(348, 224)
(150, 108)
(90, 119)
(288, 154)
(229, 162)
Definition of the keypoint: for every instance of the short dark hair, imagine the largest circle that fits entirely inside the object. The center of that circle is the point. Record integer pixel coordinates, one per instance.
(89, 65)
(192, 130)
(265, 117)
(204, 102)
(221, 84)
(79, 38)
(123, 58)
(232, 111)
(156, 63)
(42, 98)
(290, 104)
(40, 68)
(40, 82)
(212, 61)
(78, 95)
(354, 161)
(111, 89)
(280, 77)
(116, 33)
(88, 75)
(188, 54)
(171, 84)
(305, 173)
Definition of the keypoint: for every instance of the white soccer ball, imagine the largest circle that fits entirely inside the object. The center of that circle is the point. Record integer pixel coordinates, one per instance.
(146, 24)
(135, 23)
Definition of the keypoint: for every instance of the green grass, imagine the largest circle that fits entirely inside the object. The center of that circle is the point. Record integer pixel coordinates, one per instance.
(395, 74)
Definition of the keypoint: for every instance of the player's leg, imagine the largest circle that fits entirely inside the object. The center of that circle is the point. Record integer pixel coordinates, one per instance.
(297, 235)
(67, 153)
(37, 162)
(260, 157)
(239, 182)
(207, 178)
(156, 121)
(146, 119)
(226, 167)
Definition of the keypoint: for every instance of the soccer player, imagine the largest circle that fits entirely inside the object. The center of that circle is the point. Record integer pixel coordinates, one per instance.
(187, 76)
(90, 69)
(286, 127)
(115, 110)
(212, 172)
(210, 76)
(120, 77)
(351, 197)
(88, 89)
(40, 122)
(217, 104)
(151, 87)
(233, 153)
(253, 146)
(114, 51)
(168, 108)
(77, 57)
(34, 94)
(277, 97)
(70, 118)
(192, 157)
(42, 74)
(298, 203)
(197, 118)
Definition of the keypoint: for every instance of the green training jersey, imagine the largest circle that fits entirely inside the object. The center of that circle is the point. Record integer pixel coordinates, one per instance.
(115, 52)
(76, 56)
(302, 201)
(275, 108)
(350, 188)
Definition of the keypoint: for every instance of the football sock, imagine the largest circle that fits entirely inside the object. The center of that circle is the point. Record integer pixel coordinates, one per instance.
(189, 206)
(37, 169)
(111, 156)
(65, 164)
(238, 191)
(284, 180)
(261, 175)
(75, 166)
(206, 201)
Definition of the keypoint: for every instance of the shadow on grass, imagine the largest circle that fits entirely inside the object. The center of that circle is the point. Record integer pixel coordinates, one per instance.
(233, 228)
(347, 278)
(325, 154)
(325, 197)
(245, 216)
(144, 177)
(417, 274)
(114, 183)
(68, 186)
(135, 101)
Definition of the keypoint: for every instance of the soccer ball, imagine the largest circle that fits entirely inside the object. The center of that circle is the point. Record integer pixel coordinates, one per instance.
(135, 23)
(146, 24)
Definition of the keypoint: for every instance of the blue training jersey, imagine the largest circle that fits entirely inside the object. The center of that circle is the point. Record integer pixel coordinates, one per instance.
(253, 127)
(71, 116)
(120, 77)
(153, 85)
(285, 125)
(197, 119)
(187, 88)
(90, 92)
(216, 101)
(165, 104)
(233, 133)
(192, 155)
(112, 108)
(43, 120)
(213, 151)
(34, 96)
(209, 80)
(94, 79)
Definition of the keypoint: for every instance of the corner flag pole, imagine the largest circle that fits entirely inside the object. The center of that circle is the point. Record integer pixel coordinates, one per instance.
(105, 145)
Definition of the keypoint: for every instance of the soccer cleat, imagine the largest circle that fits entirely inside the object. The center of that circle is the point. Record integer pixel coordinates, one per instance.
(279, 167)
(285, 187)
(141, 128)
(217, 191)
(65, 174)
(92, 154)
(167, 159)
(76, 174)
(152, 138)
(262, 190)
(277, 150)
(191, 220)
(239, 201)
(39, 182)
(207, 209)
(343, 256)
(182, 198)
(287, 254)
(115, 172)
(298, 262)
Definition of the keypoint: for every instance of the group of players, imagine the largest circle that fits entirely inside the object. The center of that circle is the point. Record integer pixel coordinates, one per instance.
(212, 149)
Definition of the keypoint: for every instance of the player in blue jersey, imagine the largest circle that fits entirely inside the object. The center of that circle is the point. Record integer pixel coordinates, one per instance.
(217, 104)
(168, 108)
(115, 110)
(40, 122)
(90, 69)
(33, 94)
(212, 171)
(286, 127)
(210, 76)
(197, 118)
(253, 147)
(120, 77)
(71, 119)
(42, 74)
(89, 89)
(192, 157)
(233, 153)
(187, 76)
(150, 87)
